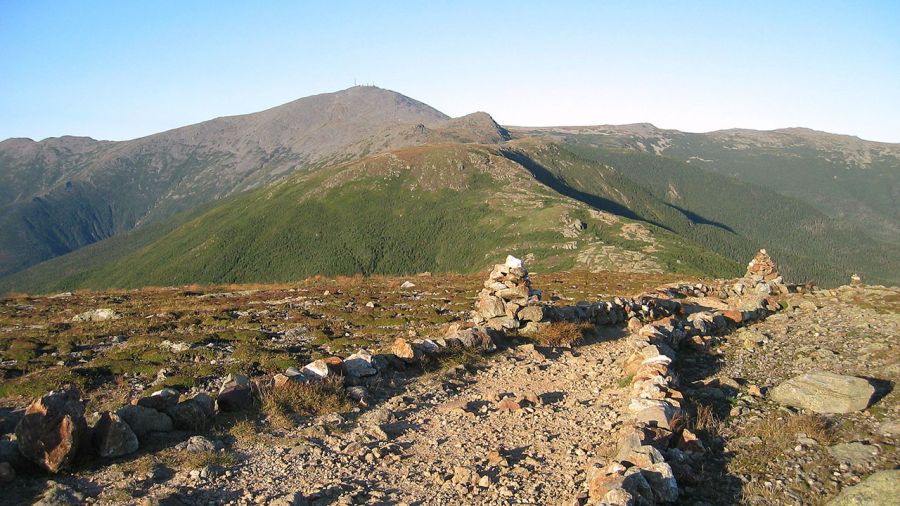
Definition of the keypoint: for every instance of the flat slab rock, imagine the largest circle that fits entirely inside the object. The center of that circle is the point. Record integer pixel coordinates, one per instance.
(825, 392)
(880, 489)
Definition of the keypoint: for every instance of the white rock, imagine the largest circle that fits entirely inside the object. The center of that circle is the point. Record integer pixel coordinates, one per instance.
(513, 262)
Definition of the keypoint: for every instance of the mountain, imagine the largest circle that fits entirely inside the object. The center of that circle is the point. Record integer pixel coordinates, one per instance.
(854, 181)
(369, 181)
(61, 194)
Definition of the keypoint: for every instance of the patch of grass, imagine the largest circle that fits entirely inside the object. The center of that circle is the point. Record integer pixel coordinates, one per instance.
(304, 399)
(244, 431)
(624, 381)
(563, 333)
(777, 433)
(453, 356)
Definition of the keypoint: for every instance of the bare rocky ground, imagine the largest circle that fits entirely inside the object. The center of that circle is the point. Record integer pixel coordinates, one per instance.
(444, 435)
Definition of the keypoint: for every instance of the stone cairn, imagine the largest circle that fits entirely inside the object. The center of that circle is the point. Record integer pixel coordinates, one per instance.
(762, 277)
(507, 299)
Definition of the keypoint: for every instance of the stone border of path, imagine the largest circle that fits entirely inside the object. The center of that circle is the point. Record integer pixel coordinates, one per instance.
(54, 430)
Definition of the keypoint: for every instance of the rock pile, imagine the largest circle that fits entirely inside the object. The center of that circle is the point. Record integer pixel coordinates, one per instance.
(506, 295)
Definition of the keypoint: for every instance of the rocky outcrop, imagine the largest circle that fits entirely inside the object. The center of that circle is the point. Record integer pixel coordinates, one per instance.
(824, 392)
(879, 489)
(52, 430)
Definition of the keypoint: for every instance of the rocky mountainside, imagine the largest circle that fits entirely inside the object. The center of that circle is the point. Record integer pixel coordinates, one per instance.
(61, 194)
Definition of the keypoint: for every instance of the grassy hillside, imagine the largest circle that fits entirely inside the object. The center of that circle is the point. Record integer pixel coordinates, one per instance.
(434, 208)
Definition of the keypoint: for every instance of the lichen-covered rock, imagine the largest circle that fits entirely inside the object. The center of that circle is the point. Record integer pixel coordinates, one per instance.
(52, 430)
(97, 315)
(824, 392)
(879, 489)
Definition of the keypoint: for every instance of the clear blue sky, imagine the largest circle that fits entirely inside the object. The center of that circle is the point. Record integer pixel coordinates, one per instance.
(122, 69)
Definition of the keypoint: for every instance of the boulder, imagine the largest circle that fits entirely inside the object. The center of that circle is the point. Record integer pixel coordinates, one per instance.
(662, 482)
(475, 338)
(855, 454)
(324, 368)
(824, 392)
(112, 437)
(879, 489)
(501, 323)
(234, 398)
(531, 313)
(52, 430)
(513, 262)
(404, 350)
(235, 394)
(192, 414)
(145, 420)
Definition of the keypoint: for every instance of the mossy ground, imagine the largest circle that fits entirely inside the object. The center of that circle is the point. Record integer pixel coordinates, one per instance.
(197, 334)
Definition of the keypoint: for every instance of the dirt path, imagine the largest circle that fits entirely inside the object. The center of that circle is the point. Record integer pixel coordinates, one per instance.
(430, 443)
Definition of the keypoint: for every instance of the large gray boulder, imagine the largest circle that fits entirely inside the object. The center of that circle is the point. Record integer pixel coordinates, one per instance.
(112, 437)
(824, 392)
(144, 420)
(880, 489)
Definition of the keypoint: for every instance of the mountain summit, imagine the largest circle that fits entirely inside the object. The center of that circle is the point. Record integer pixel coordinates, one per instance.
(60, 194)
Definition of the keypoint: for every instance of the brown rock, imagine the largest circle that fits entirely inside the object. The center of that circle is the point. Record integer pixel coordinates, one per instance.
(404, 350)
(733, 316)
(52, 430)
(609, 478)
(508, 405)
